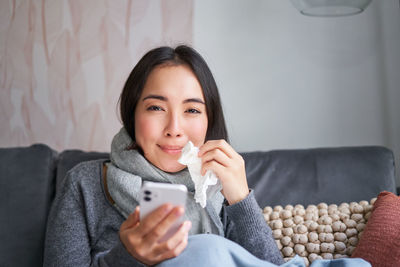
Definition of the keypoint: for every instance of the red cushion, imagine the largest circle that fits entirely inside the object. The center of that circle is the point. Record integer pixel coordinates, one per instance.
(380, 241)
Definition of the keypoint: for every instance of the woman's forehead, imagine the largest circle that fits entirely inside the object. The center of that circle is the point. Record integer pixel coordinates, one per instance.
(173, 82)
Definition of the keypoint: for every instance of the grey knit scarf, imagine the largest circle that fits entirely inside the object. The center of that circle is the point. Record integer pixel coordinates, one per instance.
(128, 169)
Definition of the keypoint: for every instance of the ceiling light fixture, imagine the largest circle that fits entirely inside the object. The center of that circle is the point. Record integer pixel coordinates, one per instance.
(330, 8)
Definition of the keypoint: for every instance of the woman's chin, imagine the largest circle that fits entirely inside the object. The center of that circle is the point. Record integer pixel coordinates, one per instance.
(171, 167)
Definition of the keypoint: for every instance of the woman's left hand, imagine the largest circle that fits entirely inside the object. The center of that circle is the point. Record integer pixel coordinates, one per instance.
(219, 157)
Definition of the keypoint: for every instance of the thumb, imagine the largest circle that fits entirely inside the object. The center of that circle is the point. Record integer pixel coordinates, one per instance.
(132, 219)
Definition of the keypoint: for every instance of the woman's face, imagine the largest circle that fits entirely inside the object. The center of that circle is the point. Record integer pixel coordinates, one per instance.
(170, 112)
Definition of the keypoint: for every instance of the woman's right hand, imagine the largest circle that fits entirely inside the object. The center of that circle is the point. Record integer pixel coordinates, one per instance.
(141, 238)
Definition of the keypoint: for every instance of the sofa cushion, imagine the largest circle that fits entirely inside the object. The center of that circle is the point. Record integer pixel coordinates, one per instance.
(380, 242)
(309, 176)
(26, 191)
(69, 158)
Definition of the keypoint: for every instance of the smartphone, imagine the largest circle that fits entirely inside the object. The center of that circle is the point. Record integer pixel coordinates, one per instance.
(153, 195)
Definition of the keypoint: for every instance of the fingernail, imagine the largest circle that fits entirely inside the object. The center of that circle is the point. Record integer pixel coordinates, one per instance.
(188, 225)
(179, 211)
(167, 208)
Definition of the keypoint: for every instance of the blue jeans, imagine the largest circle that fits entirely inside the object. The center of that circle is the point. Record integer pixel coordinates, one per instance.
(213, 250)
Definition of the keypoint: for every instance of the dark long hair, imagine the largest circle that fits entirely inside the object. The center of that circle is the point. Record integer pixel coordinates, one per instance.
(181, 55)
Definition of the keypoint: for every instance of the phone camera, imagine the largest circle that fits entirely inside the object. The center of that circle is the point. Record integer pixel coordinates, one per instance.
(146, 198)
(147, 192)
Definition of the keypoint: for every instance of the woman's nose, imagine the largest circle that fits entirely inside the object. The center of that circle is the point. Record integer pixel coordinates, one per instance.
(173, 127)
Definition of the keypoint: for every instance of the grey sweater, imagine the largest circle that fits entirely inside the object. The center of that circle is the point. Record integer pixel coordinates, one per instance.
(83, 226)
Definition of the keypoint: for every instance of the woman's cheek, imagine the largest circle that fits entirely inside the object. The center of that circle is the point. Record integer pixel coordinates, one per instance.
(146, 128)
(198, 133)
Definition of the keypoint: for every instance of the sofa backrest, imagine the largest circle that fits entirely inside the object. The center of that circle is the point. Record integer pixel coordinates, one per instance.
(300, 176)
(312, 176)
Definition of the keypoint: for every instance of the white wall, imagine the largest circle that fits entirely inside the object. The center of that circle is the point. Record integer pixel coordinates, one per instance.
(291, 81)
(287, 81)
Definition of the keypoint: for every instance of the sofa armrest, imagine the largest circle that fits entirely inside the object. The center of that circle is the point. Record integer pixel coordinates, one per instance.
(27, 181)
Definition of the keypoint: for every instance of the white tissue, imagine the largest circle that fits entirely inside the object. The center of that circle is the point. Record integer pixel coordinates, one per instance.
(205, 186)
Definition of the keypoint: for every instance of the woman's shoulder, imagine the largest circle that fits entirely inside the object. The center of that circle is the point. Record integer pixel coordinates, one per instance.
(84, 174)
(87, 167)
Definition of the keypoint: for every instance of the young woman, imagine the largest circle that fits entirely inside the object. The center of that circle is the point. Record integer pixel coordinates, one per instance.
(170, 98)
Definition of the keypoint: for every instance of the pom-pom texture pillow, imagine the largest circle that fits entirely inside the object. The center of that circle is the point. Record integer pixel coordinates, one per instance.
(319, 231)
(380, 244)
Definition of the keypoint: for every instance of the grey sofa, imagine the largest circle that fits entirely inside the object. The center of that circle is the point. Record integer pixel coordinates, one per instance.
(30, 176)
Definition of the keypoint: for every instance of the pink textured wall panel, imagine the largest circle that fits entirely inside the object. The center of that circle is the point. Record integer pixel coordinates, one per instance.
(63, 65)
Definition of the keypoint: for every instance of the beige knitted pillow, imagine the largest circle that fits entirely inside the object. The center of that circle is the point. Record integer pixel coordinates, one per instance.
(318, 231)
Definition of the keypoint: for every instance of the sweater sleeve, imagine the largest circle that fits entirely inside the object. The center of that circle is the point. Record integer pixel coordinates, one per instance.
(245, 225)
(68, 241)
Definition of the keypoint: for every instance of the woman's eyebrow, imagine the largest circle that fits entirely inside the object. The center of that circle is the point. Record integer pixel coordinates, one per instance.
(159, 97)
(163, 98)
(196, 100)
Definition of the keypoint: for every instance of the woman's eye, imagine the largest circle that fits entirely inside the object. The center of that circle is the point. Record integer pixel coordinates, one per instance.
(154, 108)
(192, 110)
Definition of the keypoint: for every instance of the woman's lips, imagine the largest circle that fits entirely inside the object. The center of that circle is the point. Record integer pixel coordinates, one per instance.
(171, 149)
